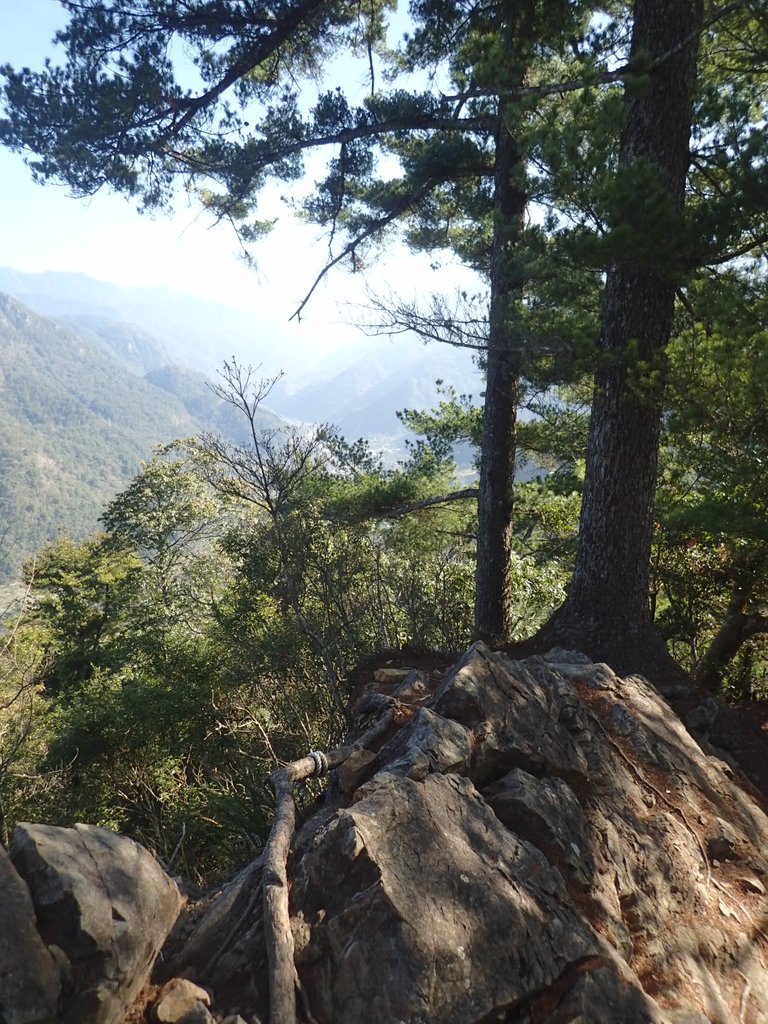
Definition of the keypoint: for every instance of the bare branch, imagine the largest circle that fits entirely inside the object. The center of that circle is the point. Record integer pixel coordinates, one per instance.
(756, 242)
(460, 324)
(379, 224)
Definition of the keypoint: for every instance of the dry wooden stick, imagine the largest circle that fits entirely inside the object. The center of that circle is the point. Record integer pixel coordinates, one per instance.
(277, 924)
(744, 999)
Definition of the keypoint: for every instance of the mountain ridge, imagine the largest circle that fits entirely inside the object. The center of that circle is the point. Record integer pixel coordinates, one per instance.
(341, 385)
(75, 425)
(90, 390)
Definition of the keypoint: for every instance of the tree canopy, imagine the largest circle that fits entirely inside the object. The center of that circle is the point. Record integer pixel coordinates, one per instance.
(553, 146)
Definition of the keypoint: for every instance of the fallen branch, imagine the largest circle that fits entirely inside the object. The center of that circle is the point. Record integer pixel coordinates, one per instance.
(277, 924)
(248, 914)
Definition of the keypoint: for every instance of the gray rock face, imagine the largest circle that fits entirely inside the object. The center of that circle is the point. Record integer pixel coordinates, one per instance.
(428, 743)
(536, 844)
(549, 814)
(420, 883)
(526, 717)
(106, 903)
(30, 983)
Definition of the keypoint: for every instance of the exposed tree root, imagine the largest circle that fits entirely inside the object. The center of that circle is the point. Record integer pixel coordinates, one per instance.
(277, 925)
(627, 650)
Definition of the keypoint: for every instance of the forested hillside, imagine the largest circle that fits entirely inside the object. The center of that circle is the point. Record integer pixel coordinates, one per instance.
(357, 386)
(139, 350)
(195, 332)
(603, 172)
(76, 424)
(90, 396)
(363, 397)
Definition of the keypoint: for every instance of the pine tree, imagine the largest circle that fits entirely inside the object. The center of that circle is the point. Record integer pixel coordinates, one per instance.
(474, 148)
(690, 136)
(135, 129)
(711, 547)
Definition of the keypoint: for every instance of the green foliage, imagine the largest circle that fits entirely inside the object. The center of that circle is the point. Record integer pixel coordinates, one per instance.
(119, 112)
(167, 665)
(23, 723)
(211, 631)
(455, 421)
(713, 498)
(163, 512)
(79, 592)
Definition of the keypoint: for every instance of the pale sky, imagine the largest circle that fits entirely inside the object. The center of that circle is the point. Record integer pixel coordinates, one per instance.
(45, 229)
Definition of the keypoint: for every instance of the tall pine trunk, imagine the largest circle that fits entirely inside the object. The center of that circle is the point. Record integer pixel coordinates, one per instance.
(606, 611)
(497, 463)
(504, 352)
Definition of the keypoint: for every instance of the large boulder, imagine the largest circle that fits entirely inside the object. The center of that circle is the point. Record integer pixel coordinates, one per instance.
(30, 983)
(107, 906)
(539, 841)
(418, 904)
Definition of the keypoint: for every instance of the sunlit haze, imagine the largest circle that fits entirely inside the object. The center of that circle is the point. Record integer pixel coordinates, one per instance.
(106, 238)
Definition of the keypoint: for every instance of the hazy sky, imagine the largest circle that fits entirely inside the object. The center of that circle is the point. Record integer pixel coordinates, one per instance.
(45, 229)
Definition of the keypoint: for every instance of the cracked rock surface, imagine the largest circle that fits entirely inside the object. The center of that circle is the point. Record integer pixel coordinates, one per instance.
(30, 982)
(532, 842)
(535, 844)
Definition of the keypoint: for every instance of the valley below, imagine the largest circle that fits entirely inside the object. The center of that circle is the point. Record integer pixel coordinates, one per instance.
(95, 377)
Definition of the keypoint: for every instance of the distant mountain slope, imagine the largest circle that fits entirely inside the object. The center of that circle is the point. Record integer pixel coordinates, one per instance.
(173, 338)
(357, 386)
(74, 427)
(192, 390)
(363, 398)
(139, 350)
(196, 332)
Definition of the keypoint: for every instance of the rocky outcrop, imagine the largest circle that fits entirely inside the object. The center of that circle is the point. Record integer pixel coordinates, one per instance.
(539, 841)
(102, 906)
(535, 842)
(418, 904)
(30, 984)
(181, 1000)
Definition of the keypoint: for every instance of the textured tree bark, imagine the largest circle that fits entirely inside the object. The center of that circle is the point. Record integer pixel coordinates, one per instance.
(497, 463)
(606, 611)
(504, 353)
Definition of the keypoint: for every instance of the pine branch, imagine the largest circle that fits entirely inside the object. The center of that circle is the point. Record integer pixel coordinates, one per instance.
(280, 32)
(443, 499)
(604, 77)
